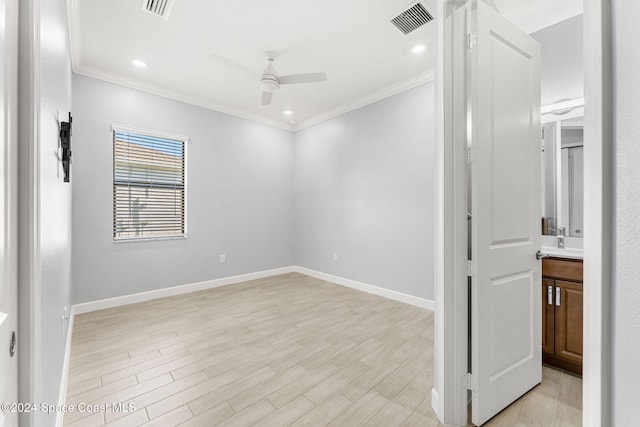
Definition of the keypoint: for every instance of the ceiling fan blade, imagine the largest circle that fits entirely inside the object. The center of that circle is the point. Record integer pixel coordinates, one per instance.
(266, 97)
(302, 78)
(235, 65)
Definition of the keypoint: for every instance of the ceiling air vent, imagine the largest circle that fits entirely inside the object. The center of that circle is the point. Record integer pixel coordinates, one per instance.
(412, 18)
(161, 8)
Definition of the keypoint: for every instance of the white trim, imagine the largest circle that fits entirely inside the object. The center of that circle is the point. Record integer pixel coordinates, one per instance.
(363, 101)
(598, 222)
(451, 314)
(364, 287)
(30, 311)
(435, 403)
(62, 395)
(75, 41)
(175, 290)
(226, 281)
(10, 186)
(34, 217)
(153, 89)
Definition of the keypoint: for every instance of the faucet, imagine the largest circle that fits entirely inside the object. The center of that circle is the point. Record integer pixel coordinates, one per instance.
(560, 236)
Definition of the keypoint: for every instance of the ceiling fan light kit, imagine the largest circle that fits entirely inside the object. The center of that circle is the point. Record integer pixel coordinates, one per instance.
(269, 83)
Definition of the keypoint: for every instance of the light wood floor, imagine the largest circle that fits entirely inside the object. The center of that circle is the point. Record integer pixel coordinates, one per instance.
(287, 350)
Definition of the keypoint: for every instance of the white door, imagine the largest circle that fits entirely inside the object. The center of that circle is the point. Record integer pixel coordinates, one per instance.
(506, 222)
(8, 252)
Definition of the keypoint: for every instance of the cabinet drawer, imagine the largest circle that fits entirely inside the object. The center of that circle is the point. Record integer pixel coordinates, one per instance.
(562, 269)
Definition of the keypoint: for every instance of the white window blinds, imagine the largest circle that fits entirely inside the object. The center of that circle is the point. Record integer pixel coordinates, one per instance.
(148, 186)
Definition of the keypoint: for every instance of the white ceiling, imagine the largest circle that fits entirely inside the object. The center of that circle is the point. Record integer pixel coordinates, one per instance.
(364, 56)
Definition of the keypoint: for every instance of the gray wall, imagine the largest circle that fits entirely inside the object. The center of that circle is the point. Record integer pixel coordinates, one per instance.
(561, 71)
(239, 195)
(55, 195)
(626, 292)
(52, 263)
(365, 189)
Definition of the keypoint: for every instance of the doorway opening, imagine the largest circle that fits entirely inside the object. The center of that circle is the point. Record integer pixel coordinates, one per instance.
(451, 292)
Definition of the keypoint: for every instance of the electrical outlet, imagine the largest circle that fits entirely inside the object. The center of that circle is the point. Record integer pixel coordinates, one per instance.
(223, 258)
(65, 319)
(335, 257)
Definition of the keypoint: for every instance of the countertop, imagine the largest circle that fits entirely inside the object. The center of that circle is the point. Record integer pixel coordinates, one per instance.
(570, 253)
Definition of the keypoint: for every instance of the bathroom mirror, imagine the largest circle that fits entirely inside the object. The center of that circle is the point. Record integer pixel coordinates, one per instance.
(563, 176)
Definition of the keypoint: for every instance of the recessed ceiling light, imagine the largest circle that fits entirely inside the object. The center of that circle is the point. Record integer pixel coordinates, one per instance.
(288, 112)
(419, 48)
(138, 63)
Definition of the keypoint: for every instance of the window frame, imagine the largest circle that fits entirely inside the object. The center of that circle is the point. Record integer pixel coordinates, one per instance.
(158, 134)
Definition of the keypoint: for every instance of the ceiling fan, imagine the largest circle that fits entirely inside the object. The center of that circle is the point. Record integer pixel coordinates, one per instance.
(269, 79)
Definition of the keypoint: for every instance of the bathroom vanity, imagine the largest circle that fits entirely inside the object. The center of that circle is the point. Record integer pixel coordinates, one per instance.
(562, 313)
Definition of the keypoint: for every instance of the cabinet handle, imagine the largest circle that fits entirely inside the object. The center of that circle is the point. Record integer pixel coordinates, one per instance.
(558, 296)
(550, 295)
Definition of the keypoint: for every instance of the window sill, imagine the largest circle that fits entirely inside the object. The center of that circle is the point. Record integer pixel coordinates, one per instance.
(148, 239)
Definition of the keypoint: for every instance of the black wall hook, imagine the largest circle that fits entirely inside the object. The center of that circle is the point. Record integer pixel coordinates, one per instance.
(65, 143)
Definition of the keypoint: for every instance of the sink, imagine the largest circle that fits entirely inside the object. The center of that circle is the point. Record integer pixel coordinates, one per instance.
(572, 247)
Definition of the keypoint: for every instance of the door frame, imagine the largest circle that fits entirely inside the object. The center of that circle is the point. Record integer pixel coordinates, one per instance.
(449, 395)
(29, 294)
(10, 176)
(598, 213)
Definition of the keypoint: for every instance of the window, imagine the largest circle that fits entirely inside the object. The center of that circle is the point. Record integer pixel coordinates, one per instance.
(148, 186)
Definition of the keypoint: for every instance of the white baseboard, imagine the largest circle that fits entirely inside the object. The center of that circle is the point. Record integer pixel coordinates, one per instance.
(62, 395)
(387, 293)
(435, 402)
(225, 281)
(176, 290)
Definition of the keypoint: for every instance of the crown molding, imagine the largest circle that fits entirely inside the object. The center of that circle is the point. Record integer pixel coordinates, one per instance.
(73, 19)
(363, 101)
(121, 80)
(75, 41)
(376, 96)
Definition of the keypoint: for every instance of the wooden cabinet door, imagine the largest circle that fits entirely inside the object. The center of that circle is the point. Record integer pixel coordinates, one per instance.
(568, 321)
(548, 313)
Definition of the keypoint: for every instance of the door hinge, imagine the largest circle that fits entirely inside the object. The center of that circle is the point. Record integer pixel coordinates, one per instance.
(472, 40)
(472, 155)
(471, 268)
(471, 382)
